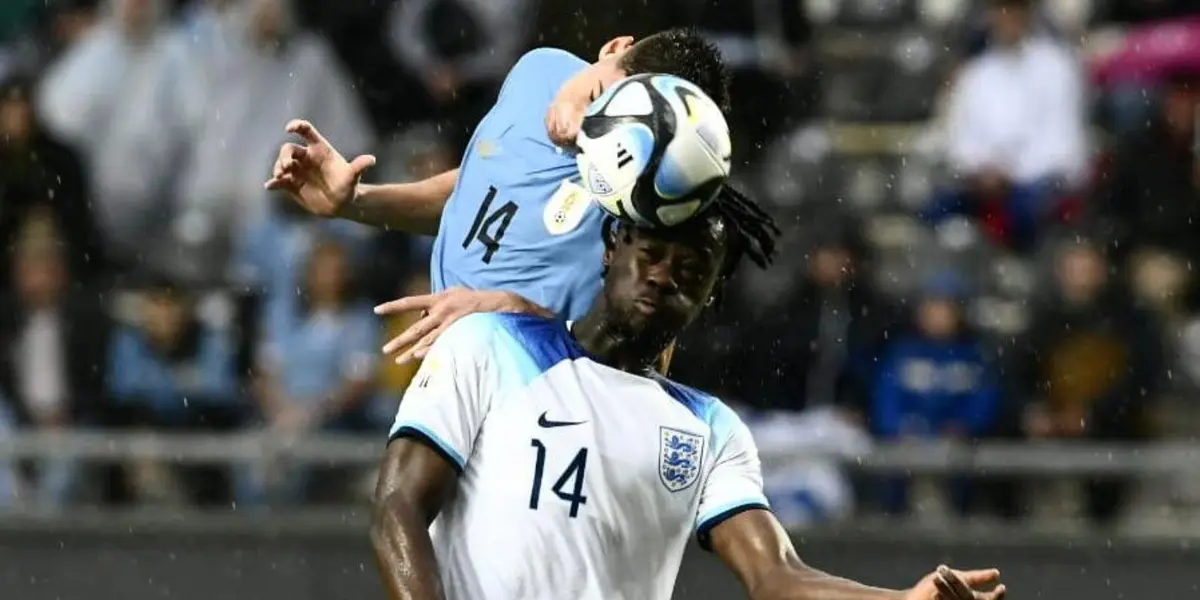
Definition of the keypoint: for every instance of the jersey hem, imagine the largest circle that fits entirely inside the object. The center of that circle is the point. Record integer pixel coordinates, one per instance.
(705, 528)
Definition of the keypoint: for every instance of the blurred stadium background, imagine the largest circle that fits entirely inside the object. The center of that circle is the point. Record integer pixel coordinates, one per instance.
(980, 345)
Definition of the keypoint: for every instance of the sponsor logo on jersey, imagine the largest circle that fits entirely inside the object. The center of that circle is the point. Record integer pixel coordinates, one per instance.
(566, 208)
(679, 456)
(545, 423)
(429, 367)
(487, 148)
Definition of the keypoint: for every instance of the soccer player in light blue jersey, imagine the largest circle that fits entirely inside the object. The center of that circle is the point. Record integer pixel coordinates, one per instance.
(512, 218)
(537, 459)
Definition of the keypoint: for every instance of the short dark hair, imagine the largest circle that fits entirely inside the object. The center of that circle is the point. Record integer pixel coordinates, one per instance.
(682, 53)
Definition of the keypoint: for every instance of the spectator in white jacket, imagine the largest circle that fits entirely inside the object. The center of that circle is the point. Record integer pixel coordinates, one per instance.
(113, 97)
(1016, 131)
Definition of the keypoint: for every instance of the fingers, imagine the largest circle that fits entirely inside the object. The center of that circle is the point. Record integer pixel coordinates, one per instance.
(977, 577)
(415, 332)
(408, 304)
(996, 594)
(562, 124)
(285, 183)
(944, 590)
(951, 586)
(305, 130)
(285, 173)
(361, 163)
(419, 350)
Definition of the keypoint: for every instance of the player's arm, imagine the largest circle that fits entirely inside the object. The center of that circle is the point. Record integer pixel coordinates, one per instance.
(434, 433)
(322, 181)
(410, 207)
(755, 546)
(442, 309)
(414, 483)
(735, 523)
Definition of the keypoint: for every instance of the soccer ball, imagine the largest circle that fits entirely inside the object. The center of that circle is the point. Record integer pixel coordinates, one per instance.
(654, 150)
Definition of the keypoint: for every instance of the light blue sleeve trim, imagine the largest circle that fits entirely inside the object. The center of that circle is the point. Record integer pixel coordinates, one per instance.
(433, 437)
(719, 513)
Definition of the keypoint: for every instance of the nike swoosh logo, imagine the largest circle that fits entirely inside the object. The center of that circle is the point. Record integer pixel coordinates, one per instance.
(546, 423)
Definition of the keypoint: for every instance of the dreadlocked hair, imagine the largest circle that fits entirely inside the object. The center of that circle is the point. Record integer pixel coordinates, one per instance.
(755, 232)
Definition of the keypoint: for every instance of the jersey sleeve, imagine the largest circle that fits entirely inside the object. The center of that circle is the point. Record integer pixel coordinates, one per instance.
(450, 395)
(734, 484)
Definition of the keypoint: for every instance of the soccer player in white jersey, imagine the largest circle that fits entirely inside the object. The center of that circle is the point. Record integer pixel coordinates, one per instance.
(534, 459)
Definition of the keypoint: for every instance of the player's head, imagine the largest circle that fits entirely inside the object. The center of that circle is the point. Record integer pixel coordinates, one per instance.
(680, 52)
(1010, 19)
(658, 280)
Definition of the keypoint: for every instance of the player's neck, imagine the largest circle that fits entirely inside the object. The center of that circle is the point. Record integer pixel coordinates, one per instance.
(610, 345)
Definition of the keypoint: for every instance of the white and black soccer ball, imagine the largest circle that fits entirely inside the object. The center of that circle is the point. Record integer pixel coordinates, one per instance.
(654, 150)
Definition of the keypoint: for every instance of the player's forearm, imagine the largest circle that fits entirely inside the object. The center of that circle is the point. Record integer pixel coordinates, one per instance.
(409, 207)
(806, 583)
(404, 551)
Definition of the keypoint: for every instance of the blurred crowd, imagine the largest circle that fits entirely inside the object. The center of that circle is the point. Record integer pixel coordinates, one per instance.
(988, 210)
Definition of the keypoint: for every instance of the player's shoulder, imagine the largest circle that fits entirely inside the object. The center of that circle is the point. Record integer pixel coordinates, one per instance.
(722, 421)
(551, 60)
(540, 72)
(536, 342)
(477, 327)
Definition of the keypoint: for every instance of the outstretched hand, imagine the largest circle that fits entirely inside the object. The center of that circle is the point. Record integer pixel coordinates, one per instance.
(950, 584)
(314, 174)
(440, 310)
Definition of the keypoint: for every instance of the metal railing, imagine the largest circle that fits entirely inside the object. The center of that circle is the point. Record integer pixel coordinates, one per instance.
(1036, 459)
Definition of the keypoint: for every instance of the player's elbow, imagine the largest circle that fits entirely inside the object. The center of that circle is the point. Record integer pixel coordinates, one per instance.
(389, 513)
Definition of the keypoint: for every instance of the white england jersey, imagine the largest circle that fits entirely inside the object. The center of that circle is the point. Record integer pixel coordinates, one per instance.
(577, 480)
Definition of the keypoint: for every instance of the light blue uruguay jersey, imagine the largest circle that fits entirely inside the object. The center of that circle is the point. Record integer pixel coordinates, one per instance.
(577, 480)
(518, 220)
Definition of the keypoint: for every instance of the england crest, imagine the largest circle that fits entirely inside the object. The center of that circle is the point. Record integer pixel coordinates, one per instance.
(679, 457)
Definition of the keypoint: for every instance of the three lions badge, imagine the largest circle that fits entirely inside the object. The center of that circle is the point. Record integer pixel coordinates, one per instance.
(679, 457)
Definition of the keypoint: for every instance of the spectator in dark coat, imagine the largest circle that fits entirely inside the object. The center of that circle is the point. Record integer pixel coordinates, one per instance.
(1091, 366)
(52, 359)
(39, 174)
(1149, 202)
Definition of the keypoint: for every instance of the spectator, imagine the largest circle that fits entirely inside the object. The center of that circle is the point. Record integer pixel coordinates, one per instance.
(935, 383)
(1016, 128)
(420, 152)
(40, 175)
(1091, 365)
(318, 371)
(111, 96)
(53, 360)
(1151, 199)
(172, 372)
(815, 342)
(268, 72)
(273, 256)
(460, 50)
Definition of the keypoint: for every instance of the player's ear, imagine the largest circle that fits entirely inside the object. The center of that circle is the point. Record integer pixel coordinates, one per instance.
(615, 46)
